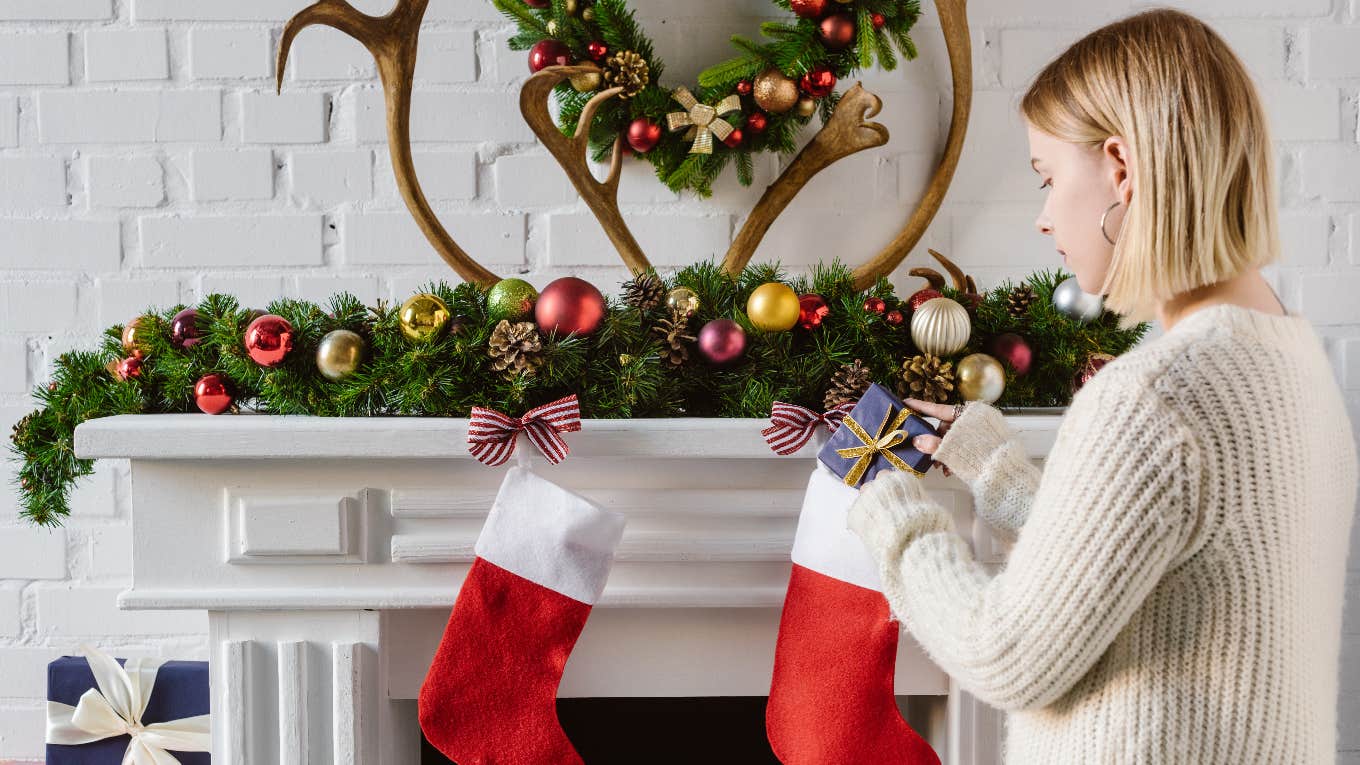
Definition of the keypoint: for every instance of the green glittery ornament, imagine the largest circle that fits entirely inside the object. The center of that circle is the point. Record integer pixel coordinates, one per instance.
(511, 299)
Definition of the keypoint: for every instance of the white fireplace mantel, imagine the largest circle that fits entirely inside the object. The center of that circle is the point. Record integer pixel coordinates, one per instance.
(328, 551)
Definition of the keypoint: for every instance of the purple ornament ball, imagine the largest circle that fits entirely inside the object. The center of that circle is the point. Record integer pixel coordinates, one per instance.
(722, 341)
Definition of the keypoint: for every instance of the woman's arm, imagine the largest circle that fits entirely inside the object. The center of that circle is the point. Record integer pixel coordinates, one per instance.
(983, 451)
(1114, 507)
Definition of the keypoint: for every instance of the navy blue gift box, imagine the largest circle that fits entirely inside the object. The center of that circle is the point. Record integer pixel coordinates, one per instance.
(877, 414)
(181, 690)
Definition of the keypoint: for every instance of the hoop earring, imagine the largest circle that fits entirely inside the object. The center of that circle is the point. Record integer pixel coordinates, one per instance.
(1102, 221)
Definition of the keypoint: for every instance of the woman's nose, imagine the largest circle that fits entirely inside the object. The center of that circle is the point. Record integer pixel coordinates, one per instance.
(1043, 226)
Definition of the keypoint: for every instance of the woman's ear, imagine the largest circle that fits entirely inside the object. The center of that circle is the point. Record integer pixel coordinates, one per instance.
(1117, 156)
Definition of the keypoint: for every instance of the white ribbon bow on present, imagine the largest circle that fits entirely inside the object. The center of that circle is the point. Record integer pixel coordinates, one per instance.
(116, 708)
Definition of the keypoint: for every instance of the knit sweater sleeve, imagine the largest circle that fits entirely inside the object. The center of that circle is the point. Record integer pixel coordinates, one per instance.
(983, 451)
(1115, 505)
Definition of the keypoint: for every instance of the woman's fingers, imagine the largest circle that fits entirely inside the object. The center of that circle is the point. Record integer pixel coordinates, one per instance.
(942, 412)
(926, 443)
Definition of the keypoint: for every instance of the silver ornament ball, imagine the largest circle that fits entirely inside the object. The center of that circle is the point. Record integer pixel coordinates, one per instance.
(1071, 301)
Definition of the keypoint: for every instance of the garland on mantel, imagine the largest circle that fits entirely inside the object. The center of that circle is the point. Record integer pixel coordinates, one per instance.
(641, 361)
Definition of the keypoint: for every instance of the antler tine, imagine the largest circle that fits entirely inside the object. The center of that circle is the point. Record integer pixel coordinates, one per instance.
(954, 25)
(570, 153)
(337, 14)
(392, 41)
(844, 134)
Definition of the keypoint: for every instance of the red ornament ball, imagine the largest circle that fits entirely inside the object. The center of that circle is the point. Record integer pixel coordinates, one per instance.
(733, 138)
(812, 308)
(1094, 363)
(757, 122)
(548, 53)
(808, 9)
(921, 296)
(744, 87)
(569, 305)
(722, 341)
(268, 340)
(818, 81)
(185, 331)
(875, 304)
(538, 3)
(837, 30)
(129, 368)
(643, 135)
(894, 317)
(597, 50)
(212, 394)
(1014, 350)
(878, 20)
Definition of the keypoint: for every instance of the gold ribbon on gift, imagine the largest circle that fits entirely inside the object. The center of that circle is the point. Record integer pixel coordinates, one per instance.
(876, 445)
(701, 119)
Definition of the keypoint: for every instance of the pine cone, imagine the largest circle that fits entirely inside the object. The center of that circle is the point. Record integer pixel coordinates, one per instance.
(926, 377)
(675, 348)
(644, 292)
(847, 384)
(628, 70)
(1017, 303)
(515, 347)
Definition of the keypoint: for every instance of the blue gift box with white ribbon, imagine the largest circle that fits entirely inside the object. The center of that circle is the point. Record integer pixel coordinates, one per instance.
(178, 697)
(876, 435)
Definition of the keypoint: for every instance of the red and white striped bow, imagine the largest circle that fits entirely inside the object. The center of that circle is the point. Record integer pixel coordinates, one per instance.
(492, 435)
(791, 425)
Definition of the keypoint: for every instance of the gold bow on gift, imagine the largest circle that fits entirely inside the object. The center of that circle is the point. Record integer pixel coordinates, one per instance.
(875, 445)
(702, 119)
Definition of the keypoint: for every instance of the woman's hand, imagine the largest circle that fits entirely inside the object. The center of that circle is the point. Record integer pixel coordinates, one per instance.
(928, 443)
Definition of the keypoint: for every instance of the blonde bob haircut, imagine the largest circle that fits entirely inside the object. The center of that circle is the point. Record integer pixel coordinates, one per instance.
(1203, 207)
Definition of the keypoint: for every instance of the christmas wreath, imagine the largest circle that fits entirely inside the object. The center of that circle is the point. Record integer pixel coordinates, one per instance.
(753, 102)
(698, 343)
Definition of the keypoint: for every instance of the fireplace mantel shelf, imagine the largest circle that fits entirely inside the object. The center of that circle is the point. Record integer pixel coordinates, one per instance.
(252, 436)
(327, 552)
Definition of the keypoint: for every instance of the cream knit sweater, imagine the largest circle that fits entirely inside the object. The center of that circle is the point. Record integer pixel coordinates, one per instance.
(1174, 593)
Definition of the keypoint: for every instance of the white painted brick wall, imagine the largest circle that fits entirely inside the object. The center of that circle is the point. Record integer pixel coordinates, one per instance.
(145, 160)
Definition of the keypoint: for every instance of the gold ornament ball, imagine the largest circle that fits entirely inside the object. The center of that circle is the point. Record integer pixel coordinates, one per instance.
(588, 14)
(980, 377)
(774, 92)
(941, 327)
(511, 299)
(340, 354)
(570, 7)
(684, 300)
(423, 317)
(586, 82)
(806, 107)
(773, 307)
(132, 337)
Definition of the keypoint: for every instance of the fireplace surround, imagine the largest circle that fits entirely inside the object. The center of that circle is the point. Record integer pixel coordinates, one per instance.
(327, 553)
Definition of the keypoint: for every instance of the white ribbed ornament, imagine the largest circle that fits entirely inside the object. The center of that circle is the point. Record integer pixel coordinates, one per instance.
(940, 326)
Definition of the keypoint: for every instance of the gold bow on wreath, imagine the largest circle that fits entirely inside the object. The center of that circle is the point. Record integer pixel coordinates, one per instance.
(703, 120)
(875, 445)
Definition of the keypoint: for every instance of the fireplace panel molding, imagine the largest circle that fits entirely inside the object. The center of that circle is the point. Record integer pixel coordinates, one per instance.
(328, 552)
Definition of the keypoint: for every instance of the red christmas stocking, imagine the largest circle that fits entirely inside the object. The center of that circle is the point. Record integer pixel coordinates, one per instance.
(831, 697)
(543, 556)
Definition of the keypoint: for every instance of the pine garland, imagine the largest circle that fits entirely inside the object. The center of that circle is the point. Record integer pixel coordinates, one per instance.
(617, 372)
(793, 47)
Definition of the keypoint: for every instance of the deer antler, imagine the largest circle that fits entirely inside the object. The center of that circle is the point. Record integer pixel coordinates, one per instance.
(391, 39)
(847, 133)
(954, 25)
(844, 134)
(601, 196)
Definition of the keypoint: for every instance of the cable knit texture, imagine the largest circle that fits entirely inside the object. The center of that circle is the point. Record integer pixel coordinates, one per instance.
(1175, 589)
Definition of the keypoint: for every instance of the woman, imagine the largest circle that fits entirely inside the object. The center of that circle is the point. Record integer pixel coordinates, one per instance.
(1175, 588)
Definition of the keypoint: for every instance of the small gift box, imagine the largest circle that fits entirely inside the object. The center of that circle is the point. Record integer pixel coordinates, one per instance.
(876, 435)
(138, 711)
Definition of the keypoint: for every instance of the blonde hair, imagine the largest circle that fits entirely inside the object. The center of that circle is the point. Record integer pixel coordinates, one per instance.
(1203, 208)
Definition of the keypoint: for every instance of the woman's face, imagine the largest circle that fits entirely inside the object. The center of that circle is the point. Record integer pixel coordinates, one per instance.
(1079, 184)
